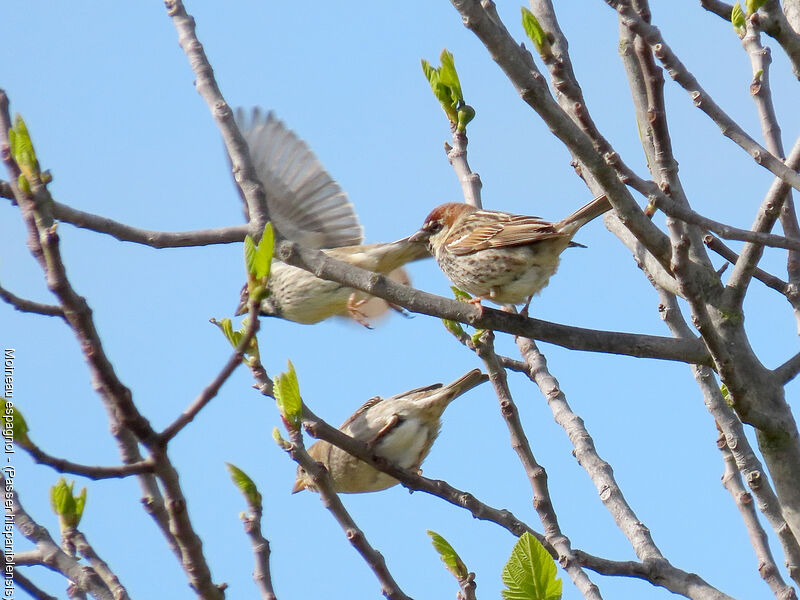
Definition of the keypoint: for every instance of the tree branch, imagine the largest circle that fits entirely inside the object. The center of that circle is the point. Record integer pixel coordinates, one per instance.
(243, 171)
(91, 471)
(732, 481)
(51, 555)
(330, 499)
(542, 502)
(700, 97)
(575, 338)
(75, 537)
(212, 389)
(30, 306)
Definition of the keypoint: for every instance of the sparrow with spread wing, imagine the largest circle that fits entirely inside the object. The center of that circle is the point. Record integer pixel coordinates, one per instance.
(307, 206)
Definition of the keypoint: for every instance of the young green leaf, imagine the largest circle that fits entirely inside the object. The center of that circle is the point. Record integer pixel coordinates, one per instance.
(536, 34)
(287, 397)
(530, 573)
(738, 19)
(459, 295)
(263, 253)
(753, 5)
(276, 435)
(452, 561)
(68, 507)
(19, 428)
(246, 485)
(449, 77)
(453, 327)
(250, 255)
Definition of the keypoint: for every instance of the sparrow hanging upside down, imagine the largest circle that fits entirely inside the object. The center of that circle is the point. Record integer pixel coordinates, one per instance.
(500, 256)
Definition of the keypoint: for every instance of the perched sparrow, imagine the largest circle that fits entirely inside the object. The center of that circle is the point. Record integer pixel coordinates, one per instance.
(401, 429)
(499, 256)
(297, 295)
(307, 206)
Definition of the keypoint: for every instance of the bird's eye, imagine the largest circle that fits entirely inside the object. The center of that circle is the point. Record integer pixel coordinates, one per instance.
(434, 226)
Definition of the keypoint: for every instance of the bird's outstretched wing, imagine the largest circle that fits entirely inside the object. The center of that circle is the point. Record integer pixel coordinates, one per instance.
(305, 204)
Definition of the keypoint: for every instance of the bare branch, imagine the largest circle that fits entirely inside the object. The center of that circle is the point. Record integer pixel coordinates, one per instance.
(732, 480)
(243, 171)
(599, 470)
(261, 549)
(91, 471)
(100, 567)
(212, 389)
(731, 426)
(537, 476)
(51, 555)
(127, 423)
(788, 370)
(700, 97)
(156, 239)
(768, 279)
(30, 306)
(774, 23)
(355, 536)
(721, 9)
(516, 62)
(457, 155)
(575, 338)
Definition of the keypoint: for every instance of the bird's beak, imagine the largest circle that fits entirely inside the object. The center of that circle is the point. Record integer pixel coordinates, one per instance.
(298, 486)
(420, 236)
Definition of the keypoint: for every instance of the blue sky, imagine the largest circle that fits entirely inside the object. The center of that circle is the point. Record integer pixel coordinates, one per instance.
(109, 100)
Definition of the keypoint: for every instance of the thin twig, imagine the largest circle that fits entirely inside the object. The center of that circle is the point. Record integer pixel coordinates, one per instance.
(30, 306)
(243, 171)
(355, 536)
(537, 476)
(212, 389)
(85, 549)
(700, 97)
(91, 471)
(457, 156)
(771, 20)
(768, 279)
(788, 370)
(721, 9)
(261, 550)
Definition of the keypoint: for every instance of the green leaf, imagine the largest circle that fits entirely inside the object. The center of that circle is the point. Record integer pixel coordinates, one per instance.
(68, 507)
(453, 327)
(22, 149)
(738, 19)
(530, 573)
(19, 428)
(459, 295)
(226, 326)
(287, 396)
(476, 337)
(753, 5)
(263, 253)
(276, 435)
(449, 556)
(250, 255)
(449, 77)
(536, 34)
(246, 485)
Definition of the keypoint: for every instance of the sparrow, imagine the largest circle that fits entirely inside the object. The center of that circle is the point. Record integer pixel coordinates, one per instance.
(401, 429)
(500, 256)
(307, 206)
(299, 296)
